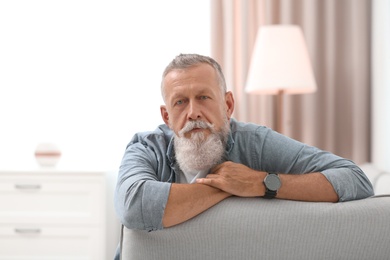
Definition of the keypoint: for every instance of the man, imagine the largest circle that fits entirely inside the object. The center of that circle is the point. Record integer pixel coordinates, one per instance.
(202, 156)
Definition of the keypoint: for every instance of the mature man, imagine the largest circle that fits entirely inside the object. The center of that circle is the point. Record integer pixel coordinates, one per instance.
(202, 155)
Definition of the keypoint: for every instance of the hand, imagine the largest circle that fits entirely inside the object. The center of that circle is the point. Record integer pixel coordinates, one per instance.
(236, 179)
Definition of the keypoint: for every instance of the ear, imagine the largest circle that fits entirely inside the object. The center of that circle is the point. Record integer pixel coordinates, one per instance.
(229, 102)
(164, 114)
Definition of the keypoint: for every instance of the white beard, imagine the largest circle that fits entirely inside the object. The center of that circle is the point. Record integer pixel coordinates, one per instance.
(197, 154)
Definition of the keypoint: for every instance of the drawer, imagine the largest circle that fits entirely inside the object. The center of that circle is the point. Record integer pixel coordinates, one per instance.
(52, 200)
(35, 243)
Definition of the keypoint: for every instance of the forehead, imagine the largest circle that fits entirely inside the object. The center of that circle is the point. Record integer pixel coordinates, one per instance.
(201, 76)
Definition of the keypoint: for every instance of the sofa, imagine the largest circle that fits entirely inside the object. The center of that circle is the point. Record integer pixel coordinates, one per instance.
(379, 178)
(256, 228)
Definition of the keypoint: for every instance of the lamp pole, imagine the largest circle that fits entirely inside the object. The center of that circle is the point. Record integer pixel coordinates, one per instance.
(279, 111)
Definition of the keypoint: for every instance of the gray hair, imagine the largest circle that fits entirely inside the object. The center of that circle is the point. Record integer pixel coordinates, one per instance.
(183, 61)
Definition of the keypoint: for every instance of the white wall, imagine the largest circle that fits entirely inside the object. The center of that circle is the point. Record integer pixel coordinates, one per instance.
(381, 85)
(85, 75)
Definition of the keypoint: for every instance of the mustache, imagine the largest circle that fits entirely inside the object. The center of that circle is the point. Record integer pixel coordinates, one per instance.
(190, 125)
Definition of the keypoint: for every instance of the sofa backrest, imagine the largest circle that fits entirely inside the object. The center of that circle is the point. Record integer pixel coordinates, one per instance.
(255, 228)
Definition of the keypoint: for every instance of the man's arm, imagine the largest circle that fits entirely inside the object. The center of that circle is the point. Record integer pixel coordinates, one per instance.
(242, 181)
(307, 187)
(185, 201)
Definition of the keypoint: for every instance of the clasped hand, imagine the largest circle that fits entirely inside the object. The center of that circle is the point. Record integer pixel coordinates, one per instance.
(236, 179)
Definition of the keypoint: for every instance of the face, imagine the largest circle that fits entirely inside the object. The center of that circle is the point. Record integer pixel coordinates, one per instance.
(194, 94)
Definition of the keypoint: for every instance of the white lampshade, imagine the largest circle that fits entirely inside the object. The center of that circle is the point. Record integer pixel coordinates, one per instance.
(280, 61)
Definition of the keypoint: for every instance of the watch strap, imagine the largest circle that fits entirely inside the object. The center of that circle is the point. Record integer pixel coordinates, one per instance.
(270, 194)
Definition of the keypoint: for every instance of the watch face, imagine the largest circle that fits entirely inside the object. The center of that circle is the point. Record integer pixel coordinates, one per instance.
(272, 182)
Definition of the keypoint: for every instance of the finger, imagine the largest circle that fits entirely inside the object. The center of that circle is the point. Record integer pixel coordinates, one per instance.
(212, 176)
(202, 180)
(208, 181)
(216, 168)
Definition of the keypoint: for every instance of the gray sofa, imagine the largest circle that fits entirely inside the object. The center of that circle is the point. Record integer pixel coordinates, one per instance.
(255, 228)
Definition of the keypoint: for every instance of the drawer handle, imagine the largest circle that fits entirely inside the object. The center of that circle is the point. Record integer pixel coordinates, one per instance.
(33, 231)
(27, 186)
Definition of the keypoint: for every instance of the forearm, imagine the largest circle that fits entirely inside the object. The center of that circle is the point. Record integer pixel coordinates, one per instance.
(185, 201)
(240, 180)
(306, 187)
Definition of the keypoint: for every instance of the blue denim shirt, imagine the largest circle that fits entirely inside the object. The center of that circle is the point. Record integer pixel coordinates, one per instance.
(148, 168)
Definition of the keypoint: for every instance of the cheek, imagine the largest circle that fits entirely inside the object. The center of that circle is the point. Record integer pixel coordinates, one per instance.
(175, 124)
(220, 118)
(221, 113)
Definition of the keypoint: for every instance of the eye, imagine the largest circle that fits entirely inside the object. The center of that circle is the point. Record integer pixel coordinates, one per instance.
(179, 102)
(203, 97)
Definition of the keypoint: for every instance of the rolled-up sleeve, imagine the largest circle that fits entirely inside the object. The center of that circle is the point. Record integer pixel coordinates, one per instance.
(350, 183)
(140, 196)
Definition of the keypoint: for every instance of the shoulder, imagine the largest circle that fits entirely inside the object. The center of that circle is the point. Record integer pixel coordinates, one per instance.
(239, 127)
(160, 137)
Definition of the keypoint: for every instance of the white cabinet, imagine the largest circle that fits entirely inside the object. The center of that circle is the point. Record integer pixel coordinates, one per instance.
(52, 215)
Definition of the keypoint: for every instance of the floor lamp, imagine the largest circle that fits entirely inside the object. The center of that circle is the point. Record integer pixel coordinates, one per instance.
(280, 64)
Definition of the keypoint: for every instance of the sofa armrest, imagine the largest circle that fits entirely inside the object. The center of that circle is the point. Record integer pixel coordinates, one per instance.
(255, 228)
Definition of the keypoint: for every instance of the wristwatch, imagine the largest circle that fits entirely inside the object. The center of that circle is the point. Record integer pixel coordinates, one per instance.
(272, 184)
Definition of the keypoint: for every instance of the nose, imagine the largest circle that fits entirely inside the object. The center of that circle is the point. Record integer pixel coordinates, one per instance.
(194, 111)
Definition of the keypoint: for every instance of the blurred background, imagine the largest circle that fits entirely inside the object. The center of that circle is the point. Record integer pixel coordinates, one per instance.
(85, 75)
